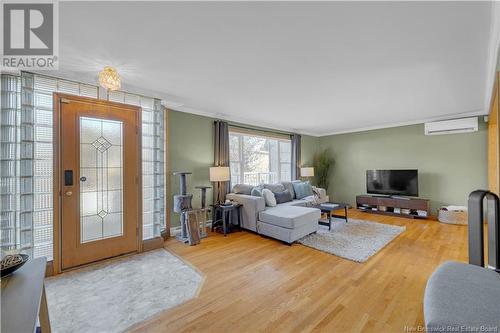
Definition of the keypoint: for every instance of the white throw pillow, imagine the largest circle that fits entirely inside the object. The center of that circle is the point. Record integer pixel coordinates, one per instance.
(269, 197)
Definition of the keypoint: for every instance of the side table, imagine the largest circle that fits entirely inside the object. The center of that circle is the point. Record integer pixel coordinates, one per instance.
(226, 215)
(23, 299)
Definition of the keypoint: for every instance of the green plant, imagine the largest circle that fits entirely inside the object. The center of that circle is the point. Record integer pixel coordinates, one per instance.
(322, 163)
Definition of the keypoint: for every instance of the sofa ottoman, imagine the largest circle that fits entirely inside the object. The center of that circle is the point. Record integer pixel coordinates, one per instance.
(288, 223)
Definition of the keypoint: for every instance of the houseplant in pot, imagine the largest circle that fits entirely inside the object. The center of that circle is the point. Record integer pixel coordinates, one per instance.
(322, 162)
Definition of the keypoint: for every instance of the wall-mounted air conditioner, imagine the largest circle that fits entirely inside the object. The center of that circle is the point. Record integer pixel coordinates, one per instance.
(464, 125)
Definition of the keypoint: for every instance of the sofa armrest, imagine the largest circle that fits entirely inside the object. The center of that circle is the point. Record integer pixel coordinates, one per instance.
(252, 206)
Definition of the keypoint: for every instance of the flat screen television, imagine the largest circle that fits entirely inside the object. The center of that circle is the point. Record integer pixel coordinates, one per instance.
(392, 182)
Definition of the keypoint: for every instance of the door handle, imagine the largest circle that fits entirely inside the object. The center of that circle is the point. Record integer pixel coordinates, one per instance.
(68, 193)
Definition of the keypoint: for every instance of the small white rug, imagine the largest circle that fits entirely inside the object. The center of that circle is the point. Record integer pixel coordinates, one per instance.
(356, 240)
(112, 296)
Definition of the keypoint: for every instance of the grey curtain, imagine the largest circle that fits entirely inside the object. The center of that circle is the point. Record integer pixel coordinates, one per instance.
(296, 158)
(221, 157)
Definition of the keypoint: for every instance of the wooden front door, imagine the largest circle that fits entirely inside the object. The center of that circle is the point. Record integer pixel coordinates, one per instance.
(98, 174)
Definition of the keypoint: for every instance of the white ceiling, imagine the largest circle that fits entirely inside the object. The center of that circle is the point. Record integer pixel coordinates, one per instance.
(315, 68)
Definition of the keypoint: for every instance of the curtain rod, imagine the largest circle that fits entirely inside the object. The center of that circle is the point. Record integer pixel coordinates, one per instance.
(258, 129)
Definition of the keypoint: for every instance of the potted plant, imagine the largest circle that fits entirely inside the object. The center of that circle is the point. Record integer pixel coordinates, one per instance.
(322, 161)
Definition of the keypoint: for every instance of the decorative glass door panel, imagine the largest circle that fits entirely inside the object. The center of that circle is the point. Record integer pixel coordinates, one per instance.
(99, 168)
(101, 192)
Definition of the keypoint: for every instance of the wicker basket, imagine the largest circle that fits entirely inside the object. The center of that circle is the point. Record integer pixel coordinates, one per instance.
(452, 216)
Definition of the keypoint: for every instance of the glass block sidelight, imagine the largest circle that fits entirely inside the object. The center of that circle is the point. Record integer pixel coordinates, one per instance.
(26, 217)
(10, 184)
(16, 161)
(153, 160)
(42, 94)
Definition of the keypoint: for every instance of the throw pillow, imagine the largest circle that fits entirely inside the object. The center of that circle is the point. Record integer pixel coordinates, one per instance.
(289, 187)
(269, 197)
(282, 197)
(242, 189)
(302, 189)
(256, 192)
(275, 187)
(309, 188)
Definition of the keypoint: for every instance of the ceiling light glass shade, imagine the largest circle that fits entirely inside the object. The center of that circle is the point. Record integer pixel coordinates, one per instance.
(109, 78)
(219, 174)
(307, 172)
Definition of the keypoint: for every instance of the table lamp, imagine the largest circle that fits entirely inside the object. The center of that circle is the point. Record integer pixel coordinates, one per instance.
(219, 174)
(307, 172)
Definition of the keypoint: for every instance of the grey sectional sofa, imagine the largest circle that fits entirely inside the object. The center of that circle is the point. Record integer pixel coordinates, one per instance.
(287, 221)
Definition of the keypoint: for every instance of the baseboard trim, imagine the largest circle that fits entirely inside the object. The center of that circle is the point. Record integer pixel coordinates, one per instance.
(177, 230)
(152, 244)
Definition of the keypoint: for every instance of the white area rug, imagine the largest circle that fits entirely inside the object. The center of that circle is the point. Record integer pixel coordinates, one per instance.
(114, 295)
(356, 240)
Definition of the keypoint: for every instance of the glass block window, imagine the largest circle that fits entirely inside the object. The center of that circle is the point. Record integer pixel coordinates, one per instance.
(15, 228)
(42, 89)
(153, 160)
(26, 177)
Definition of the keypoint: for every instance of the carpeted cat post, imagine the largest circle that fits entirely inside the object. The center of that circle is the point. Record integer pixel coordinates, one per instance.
(182, 202)
(203, 195)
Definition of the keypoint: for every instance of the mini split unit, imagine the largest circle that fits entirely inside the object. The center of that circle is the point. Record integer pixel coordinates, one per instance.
(464, 125)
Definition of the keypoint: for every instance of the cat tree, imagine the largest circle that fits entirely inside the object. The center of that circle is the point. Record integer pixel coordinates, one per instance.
(182, 203)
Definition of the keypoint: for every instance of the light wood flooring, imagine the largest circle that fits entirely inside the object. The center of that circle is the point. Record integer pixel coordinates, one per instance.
(256, 284)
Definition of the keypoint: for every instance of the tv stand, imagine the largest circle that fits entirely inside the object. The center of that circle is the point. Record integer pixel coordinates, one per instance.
(413, 208)
(400, 197)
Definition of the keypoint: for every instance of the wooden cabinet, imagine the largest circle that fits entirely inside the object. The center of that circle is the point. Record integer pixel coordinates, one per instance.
(494, 140)
(394, 206)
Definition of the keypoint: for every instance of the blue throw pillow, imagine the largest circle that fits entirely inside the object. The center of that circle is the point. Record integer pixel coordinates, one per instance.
(256, 191)
(302, 189)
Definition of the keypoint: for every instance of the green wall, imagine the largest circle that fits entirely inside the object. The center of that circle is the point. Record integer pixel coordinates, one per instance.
(450, 166)
(190, 148)
(309, 145)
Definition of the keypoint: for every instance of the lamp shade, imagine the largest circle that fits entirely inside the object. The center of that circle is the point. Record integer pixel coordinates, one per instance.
(307, 172)
(219, 174)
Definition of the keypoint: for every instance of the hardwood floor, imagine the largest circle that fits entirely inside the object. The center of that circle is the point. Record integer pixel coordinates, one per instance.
(255, 284)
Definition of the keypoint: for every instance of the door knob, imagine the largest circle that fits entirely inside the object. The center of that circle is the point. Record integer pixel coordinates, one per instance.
(68, 193)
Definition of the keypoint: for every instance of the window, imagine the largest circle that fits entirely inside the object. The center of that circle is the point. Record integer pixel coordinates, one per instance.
(257, 158)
